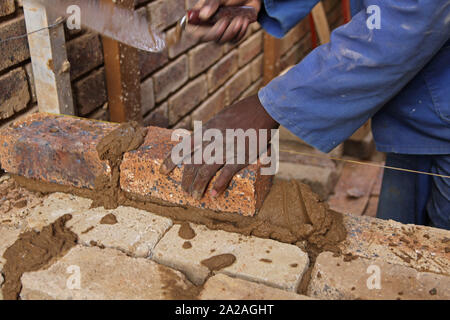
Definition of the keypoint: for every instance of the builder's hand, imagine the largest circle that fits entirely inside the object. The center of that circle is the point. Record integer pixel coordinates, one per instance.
(226, 29)
(246, 114)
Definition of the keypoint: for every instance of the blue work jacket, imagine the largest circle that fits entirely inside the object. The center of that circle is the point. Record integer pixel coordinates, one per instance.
(398, 75)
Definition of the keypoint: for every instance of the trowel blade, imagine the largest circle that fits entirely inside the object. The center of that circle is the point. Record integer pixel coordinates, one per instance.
(110, 20)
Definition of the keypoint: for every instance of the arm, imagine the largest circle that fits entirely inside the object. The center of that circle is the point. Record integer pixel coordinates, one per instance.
(340, 85)
(278, 17)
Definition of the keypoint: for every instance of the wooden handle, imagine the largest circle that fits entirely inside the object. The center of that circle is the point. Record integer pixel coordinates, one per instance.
(223, 12)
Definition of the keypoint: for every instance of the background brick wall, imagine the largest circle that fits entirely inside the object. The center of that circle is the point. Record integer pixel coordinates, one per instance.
(186, 82)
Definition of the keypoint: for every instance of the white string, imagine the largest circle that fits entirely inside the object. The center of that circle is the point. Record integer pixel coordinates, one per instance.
(32, 32)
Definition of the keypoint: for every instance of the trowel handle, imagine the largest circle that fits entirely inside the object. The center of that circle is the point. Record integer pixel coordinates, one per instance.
(223, 12)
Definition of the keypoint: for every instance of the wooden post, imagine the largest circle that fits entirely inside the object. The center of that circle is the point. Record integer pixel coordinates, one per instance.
(271, 57)
(49, 60)
(122, 76)
(321, 23)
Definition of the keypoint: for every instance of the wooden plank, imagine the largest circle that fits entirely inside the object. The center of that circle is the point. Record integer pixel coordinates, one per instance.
(49, 60)
(271, 57)
(122, 76)
(321, 23)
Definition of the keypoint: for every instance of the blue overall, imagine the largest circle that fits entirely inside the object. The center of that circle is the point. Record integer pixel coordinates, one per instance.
(398, 75)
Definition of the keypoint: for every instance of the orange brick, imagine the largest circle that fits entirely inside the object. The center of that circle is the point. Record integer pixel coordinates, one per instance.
(139, 175)
(54, 148)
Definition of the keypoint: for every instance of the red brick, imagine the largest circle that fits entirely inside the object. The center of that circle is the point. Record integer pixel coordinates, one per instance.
(293, 36)
(252, 90)
(158, 117)
(222, 71)
(184, 123)
(238, 84)
(147, 96)
(170, 78)
(186, 42)
(139, 175)
(250, 48)
(203, 56)
(164, 13)
(84, 54)
(257, 67)
(14, 94)
(55, 148)
(210, 107)
(187, 99)
(7, 7)
(14, 51)
(151, 61)
(90, 92)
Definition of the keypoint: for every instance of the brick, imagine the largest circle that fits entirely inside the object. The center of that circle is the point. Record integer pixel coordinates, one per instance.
(238, 84)
(184, 123)
(293, 36)
(361, 148)
(321, 179)
(265, 261)
(84, 54)
(147, 96)
(164, 13)
(139, 175)
(353, 189)
(210, 107)
(14, 93)
(186, 42)
(203, 56)
(419, 247)
(187, 99)
(7, 7)
(170, 78)
(30, 76)
(222, 71)
(90, 92)
(13, 51)
(222, 287)
(55, 148)
(158, 117)
(292, 57)
(257, 67)
(106, 274)
(250, 48)
(151, 61)
(135, 233)
(334, 278)
(252, 90)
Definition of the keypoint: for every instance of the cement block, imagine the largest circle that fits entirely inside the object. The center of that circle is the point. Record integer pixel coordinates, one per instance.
(222, 287)
(135, 232)
(422, 248)
(105, 274)
(335, 278)
(265, 261)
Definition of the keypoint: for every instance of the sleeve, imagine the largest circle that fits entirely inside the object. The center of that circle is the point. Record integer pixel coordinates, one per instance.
(277, 17)
(342, 84)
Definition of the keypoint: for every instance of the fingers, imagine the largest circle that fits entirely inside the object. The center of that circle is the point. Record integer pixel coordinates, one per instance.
(232, 30)
(242, 32)
(224, 178)
(216, 32)
(209, 8)
(204, 175)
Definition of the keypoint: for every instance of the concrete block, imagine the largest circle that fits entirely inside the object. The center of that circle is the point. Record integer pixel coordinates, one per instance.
(139, 175)
(336, 278)
(105, 274)
(222, 287)
(422, 248)
(132, 231)
(259, 260)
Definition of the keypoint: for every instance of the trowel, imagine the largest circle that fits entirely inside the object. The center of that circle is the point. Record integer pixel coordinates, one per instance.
(130, 27)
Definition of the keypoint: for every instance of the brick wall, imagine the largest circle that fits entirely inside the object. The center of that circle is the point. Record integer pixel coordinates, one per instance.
(186, 82)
